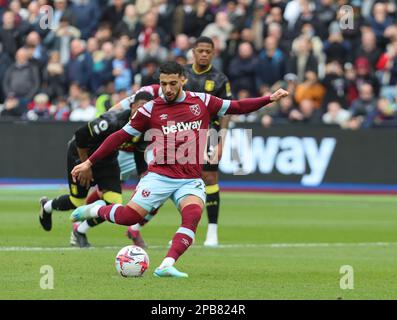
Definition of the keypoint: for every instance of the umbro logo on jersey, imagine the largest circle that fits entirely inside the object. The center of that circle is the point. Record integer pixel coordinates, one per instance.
(182, 126)
(164, 116)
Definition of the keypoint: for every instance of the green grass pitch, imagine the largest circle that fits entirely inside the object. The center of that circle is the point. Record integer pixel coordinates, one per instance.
(274, 246)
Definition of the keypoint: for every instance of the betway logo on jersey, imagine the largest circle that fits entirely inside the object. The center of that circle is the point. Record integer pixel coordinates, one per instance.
(181, 126)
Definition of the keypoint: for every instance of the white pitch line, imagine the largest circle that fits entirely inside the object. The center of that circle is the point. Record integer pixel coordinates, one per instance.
(224, 246)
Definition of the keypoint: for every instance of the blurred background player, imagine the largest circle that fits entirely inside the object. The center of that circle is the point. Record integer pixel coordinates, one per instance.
(105, 174)
(203, 77)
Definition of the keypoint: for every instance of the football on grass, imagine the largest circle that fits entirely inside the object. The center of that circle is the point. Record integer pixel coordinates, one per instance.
(132, 261)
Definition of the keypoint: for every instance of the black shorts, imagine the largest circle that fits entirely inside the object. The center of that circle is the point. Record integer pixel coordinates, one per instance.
(141, 165)
(106, 174)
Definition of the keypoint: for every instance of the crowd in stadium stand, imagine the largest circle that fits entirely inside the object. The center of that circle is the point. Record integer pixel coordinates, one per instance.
(71, 60)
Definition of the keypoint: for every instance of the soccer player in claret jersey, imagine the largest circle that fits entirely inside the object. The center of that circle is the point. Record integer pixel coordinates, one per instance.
(178, 121)
(201, 76)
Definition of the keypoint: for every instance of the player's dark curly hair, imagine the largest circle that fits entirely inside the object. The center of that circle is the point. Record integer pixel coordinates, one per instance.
(204, 39)
(171, 67)
(143, 95)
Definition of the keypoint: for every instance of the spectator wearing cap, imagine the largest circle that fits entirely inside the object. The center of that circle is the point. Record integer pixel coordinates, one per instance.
(22, 77)
(364, 75)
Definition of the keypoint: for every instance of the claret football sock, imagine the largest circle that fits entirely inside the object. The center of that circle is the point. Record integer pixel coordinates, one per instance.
(184, 236)
(118, 214)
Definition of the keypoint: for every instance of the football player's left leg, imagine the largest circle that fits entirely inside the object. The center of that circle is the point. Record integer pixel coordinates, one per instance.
(191, 210)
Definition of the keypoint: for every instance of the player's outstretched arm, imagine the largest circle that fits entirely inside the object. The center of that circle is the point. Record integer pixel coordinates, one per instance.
(107, 147)
(244, 106)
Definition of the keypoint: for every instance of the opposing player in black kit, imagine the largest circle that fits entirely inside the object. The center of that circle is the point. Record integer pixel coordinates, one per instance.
(105, 174)
(203, 77)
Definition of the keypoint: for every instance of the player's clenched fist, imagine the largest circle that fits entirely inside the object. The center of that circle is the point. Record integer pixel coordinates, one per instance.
(279, 94)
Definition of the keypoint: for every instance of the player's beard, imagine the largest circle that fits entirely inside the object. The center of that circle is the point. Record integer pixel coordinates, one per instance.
(175, 98)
